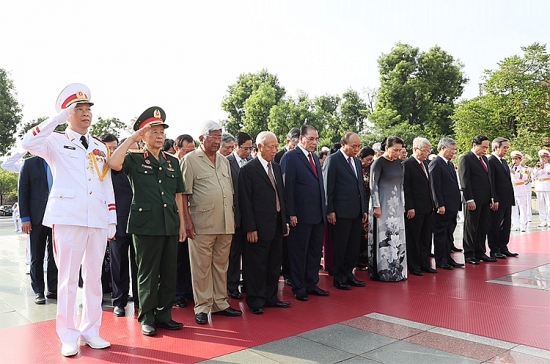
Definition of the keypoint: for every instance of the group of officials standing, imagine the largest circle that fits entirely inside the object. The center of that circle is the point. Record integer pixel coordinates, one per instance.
(194, 216)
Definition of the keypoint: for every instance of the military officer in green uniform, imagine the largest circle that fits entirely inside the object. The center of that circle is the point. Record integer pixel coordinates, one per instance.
(156, 218)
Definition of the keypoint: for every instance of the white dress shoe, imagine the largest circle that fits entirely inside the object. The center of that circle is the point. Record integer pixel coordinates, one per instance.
(96, 343)
(69, 349)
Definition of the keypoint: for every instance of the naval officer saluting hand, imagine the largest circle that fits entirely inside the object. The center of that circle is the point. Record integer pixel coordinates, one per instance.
(156, 218)
(81, 212)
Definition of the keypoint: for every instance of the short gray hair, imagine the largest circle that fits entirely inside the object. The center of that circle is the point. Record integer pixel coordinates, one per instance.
(228, 138)
(445, 142)
(419, 142)
(377, 147)
(497, 142)
(260, 138)
(209, 126)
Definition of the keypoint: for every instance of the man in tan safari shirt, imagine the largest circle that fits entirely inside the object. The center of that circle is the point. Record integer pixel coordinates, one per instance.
(209, 223)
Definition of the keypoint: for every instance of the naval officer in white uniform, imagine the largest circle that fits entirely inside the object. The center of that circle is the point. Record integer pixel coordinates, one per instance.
(81, 212)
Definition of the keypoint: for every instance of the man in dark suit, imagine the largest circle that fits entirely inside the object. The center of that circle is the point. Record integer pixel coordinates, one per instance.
(292, 139)
(479, 197)
(346, 208)
(35, 181)
(446, 196)
(265, 221)
(501, 219)
(418, 208)
(237, 159)
(121, 264)
(306, 204)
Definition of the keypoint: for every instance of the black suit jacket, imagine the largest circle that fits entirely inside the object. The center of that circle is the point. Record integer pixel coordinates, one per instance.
(416, 187)
(257, 200)
(123, 201)
(476, 183)
(444, 185)
(502, 183)
(33, 190)
(235, 170)
(344, 188)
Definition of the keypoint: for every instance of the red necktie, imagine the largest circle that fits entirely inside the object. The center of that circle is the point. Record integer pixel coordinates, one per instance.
(313, 165)
(483, 164)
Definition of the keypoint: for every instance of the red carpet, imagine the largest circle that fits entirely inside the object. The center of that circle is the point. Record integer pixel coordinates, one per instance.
(460, 299)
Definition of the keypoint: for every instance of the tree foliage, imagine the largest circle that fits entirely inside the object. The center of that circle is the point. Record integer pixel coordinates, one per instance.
(8, 186)
(515, 103)
(417, 90)
(108, 126)
(10, 112)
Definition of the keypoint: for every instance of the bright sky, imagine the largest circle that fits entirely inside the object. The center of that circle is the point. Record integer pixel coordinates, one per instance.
(182, 55)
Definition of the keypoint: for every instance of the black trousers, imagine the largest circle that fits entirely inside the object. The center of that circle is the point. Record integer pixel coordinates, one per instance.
(184, 284)
(121, 265)
(418, 232)
(305, 247)
(443, 227)
(263, 267)
(476, 224)
(236, 253)
(41, 239)
(499, 231)
(346, 236)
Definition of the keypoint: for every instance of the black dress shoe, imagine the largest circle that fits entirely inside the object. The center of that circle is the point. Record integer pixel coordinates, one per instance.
(279, 304)
(39, 299)
(455, 264)
(431, 255)
(51, 295)
(444, 266)
(498, 255)
(228, 312)
(235, 294)
(416, 272)
(257, 311)
(356, 283)
(301, 296)
(430, 270)
(170, 325)
(201, 318)
(341, 285)
(486, 258)
(472, 261)
(148, 330)
(318, 292)
(119, 311)
(454, 249)
(510, 254)
(180, 302)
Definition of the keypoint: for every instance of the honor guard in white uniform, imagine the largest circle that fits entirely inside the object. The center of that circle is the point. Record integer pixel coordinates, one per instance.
(520, 178)
(541, 178)
(81, 212)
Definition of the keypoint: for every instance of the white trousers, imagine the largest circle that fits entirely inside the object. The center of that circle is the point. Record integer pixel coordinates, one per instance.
(543, 198)
(74, 246)
(519, 213)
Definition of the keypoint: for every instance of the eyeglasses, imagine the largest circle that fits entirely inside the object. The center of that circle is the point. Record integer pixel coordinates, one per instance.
(215, 137)
(312, 139)
(246, 148)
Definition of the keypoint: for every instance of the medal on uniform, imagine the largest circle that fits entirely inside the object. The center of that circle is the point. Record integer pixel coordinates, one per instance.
(93, 163)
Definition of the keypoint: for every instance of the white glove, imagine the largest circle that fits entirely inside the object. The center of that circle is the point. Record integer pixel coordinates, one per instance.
(111, 231)
(63, 116)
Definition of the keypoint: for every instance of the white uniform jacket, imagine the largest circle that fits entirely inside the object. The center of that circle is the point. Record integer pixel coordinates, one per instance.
(541, 177)
(78, 195)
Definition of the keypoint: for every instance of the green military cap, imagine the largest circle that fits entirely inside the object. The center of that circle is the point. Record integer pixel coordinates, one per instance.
(153, 115)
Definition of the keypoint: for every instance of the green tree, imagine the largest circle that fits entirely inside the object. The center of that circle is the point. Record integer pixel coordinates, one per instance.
(10, 112)
(418, 88)
(265, 90)
(8, 186)
(108, 126)
(515, 103)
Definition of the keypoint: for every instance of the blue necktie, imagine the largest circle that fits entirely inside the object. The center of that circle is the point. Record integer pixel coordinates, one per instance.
(49, 177)
(350, 162)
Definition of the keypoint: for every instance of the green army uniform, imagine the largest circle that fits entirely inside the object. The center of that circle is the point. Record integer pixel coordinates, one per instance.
(154, 223)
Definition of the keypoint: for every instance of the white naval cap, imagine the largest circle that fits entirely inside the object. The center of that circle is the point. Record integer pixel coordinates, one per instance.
(74, 93)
